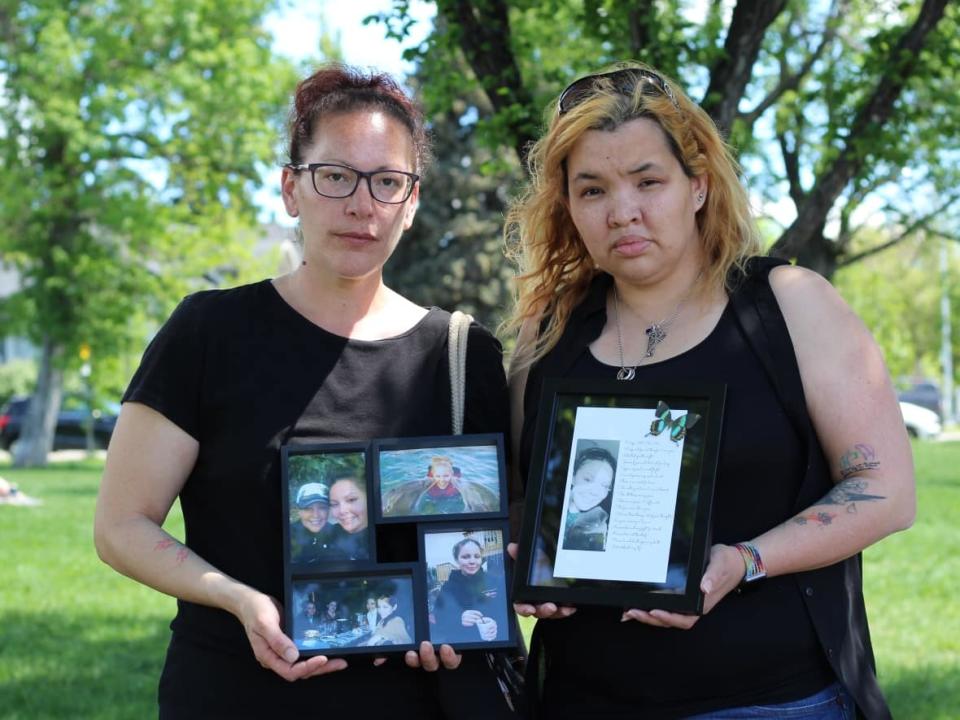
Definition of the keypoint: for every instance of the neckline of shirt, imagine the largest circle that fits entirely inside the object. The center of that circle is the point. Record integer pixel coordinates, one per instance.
(294, 315)
(641, 366)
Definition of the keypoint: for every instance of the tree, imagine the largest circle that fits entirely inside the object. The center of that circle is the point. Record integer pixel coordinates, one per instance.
(843, 108)
(131, 132)
(897, 295)
(452, 256)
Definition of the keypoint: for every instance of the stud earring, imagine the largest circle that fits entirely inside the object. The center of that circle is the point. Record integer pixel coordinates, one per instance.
(700, 197)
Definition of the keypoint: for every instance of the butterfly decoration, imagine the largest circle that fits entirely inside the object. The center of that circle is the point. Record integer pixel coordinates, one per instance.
(677, 429)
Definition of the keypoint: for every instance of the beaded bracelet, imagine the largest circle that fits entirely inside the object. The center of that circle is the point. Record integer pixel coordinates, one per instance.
(752, 560)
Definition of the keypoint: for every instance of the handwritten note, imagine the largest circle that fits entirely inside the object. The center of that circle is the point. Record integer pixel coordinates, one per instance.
(643, 502)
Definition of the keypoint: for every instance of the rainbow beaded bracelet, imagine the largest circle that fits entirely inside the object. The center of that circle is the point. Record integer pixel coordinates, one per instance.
(752, 561)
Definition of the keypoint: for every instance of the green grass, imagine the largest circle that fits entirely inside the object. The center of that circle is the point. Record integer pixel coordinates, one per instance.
(78, 640)
(910, 582)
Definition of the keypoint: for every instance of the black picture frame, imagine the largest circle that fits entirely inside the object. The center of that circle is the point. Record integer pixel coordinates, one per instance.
(649, 546)
(448, 593)
(403, 469)
(339, 468)
(396, 587)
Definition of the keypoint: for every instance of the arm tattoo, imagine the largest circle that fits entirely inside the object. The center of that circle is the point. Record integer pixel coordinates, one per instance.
(859, 458)
(847, 493)
(820, 518)
(182, 552)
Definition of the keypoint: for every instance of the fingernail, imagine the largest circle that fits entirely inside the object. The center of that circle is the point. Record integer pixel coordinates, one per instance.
(624, 618)
(706, 586)
(290, 654)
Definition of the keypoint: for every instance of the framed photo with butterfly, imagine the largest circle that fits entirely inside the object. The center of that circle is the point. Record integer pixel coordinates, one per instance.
(619, 495)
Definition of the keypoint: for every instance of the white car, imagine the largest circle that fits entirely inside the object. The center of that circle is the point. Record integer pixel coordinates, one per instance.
(920, 422)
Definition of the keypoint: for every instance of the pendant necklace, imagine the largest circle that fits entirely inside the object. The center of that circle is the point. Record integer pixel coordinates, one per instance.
(656, 333)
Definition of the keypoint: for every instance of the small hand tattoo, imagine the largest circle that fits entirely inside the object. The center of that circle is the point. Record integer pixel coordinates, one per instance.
(164, 544)
(182, 554)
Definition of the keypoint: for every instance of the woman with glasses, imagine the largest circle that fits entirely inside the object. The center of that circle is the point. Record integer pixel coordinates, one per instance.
(327, 353)
(638, 249)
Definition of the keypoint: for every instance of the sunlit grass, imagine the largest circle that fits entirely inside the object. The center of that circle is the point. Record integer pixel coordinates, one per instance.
(78, 640)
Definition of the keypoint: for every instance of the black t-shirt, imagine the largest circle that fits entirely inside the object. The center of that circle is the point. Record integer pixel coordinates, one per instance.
(755, 648)
(244, 374)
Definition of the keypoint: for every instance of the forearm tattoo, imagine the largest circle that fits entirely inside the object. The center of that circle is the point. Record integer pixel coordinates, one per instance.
(167, 543)
(849, 491)
(859, 458)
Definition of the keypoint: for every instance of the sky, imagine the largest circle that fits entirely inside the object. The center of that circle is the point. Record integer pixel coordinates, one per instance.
(297, 27)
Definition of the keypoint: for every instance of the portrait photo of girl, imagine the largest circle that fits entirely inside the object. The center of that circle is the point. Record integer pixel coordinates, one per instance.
(589, 497)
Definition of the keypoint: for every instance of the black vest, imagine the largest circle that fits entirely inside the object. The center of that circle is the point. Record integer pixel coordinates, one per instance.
(833, 595)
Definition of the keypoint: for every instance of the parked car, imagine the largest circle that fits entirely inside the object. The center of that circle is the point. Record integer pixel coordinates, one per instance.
(71, 432)
(924, 394)
(921, 422)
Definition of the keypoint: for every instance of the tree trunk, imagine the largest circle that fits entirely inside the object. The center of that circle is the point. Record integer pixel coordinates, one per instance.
(730, 75)
(40, 423)
(484, 37)
(819, 254)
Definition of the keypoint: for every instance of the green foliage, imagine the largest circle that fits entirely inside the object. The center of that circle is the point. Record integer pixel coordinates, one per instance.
(134, 134)
(452, 257)
(323, 468)
(897, 295)
(16, 378)
(800, 123)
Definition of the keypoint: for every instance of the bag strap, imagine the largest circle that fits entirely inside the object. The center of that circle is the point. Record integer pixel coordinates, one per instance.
(505, 667)
(457, 334)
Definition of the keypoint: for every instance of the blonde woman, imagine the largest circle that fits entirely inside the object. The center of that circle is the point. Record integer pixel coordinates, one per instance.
(634, 238)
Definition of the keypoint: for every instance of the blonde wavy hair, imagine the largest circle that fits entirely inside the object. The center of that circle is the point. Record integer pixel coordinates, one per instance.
(555, 268)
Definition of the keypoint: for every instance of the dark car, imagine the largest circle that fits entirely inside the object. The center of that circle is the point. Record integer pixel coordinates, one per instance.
(924, 394)
(71, 432)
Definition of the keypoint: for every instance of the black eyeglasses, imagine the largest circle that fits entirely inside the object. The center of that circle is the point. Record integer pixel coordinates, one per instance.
(341, 181)
(624, 81)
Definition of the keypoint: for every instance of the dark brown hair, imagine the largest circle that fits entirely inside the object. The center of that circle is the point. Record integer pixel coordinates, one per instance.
(336, 89)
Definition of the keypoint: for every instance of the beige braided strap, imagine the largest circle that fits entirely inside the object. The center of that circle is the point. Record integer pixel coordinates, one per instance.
(457, 348)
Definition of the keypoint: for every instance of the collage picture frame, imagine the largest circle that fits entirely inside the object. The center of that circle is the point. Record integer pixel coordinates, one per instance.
(341, 599)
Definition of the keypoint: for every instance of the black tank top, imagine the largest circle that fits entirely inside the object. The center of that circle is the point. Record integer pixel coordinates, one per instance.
(758, 647)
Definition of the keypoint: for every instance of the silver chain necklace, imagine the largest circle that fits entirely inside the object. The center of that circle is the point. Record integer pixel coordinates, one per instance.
(656, 333)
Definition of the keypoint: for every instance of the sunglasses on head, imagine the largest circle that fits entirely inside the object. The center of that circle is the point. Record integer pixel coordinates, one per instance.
(624, 81)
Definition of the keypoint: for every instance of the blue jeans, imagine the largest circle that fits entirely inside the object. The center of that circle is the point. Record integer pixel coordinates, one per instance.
(831, 703)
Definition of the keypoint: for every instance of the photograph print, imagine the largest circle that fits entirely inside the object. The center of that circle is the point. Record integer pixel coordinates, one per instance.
(466, 583)
(328, 505)
(348, 614)
(436, 480)
(590, 494)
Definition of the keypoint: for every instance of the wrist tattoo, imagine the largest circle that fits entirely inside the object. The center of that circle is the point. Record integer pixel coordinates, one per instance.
(859, 458)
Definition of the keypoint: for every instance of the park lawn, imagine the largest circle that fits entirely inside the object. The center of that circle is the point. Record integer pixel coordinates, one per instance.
(77, 640)
(910, 582)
